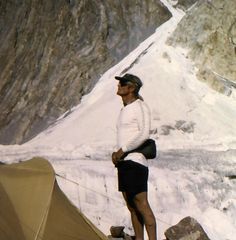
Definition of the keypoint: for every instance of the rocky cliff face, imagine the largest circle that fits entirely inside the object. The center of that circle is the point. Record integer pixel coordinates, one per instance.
(209, 31)
(185, 4)
(53, 51)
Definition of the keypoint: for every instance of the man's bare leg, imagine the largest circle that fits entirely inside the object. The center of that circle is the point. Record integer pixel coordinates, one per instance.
(137, 220)
(142, 205)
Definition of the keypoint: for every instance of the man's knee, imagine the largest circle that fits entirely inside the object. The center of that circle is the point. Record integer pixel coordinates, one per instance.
(130, 205)
(130, 208)
(141, 204)
(144, 208)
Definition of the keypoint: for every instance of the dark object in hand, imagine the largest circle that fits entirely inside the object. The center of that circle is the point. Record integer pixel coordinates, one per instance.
(148, 149)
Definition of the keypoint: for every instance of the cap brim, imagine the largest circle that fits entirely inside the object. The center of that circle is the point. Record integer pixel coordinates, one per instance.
(119, 78)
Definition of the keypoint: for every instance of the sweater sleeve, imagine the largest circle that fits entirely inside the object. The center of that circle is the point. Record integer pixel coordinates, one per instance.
(142, 115)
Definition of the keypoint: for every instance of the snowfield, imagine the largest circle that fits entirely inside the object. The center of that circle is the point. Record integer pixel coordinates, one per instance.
(194, 126)
(182, 183)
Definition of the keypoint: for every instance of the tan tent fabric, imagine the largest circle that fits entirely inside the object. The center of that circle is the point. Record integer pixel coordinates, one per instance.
(32, 206)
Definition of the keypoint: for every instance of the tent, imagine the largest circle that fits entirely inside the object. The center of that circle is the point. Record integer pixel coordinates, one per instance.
(32, 206)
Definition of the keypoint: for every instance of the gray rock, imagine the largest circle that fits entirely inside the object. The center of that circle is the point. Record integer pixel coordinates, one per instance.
(187, 229)
(185, 4)
(165, 129)
(52, 52)
(187, 127)
(117, 233)
(209, 32)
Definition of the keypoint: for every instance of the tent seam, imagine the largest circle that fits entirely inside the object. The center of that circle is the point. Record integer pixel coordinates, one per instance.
(46, 210)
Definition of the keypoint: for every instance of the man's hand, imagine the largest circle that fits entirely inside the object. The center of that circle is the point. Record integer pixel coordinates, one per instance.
(119, 153)
(116, 156)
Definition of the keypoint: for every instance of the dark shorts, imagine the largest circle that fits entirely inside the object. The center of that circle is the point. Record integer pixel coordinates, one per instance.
(132, 177)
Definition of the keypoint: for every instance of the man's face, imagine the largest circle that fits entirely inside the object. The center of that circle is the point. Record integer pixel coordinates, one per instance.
(124, 88)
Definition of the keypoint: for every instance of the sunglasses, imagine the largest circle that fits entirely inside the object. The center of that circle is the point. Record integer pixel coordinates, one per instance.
(123, 84)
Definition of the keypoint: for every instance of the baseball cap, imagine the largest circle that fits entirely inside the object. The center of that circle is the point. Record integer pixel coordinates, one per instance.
(130, 78)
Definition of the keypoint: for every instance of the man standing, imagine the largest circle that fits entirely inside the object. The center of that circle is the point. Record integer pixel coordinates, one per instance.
(133, 129)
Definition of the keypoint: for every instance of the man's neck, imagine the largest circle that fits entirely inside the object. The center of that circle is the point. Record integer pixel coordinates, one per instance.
(128, 100)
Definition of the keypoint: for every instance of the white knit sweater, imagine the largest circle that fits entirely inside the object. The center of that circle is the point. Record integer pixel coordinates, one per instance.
(133, 128)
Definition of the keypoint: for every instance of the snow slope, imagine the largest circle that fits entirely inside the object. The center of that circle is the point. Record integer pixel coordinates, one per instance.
(194, 127)
(170, 88)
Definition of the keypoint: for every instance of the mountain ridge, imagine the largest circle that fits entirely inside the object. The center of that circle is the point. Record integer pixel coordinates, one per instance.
(53, 52)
